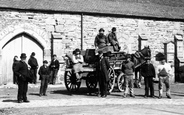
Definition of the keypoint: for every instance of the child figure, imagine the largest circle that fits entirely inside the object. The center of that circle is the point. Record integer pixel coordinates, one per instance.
(128, 70)
(44, 73)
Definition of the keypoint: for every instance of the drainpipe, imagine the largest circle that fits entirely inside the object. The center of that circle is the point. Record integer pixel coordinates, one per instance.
(81, 31)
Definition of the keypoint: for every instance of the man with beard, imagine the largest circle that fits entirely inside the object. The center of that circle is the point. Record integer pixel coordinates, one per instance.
(101, 40)
(22, 73)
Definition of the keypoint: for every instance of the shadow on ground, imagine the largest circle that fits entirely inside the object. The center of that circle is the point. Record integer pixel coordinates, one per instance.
(81, 91)
(10, 100)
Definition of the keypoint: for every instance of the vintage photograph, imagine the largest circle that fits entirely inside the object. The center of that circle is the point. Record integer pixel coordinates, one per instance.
(91, 57)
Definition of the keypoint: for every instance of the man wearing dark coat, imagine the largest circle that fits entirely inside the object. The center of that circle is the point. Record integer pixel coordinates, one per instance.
(148, 72)
(54, 67)
(34, 66)
(103, 74)
(21, 71)
(112, 38)
(101, 40)
(44, 73)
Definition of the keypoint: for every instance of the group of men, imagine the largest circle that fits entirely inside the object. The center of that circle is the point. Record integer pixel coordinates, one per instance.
(147, 69)
(23, 74)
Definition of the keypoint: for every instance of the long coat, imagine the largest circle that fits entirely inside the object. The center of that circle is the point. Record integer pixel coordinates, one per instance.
(103, 67)
(33, 62)
(21, 71)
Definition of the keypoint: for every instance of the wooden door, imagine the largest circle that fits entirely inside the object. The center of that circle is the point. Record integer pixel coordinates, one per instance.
(22, 43)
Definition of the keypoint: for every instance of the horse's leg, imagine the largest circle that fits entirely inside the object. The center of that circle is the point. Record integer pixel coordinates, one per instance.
(139, 81)
(136, 79)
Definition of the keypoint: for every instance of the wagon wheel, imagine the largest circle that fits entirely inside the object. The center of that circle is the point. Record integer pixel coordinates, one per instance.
(121, 82)
(91, 81)
(112, 76)
(70, 81)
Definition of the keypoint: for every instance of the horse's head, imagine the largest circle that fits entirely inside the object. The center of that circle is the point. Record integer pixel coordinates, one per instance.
(146, 52)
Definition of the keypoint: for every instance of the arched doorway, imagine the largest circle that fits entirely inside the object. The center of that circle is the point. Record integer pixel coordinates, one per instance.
(21, 43)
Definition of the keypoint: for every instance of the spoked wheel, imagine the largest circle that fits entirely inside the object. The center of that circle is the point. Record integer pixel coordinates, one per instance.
(91, 81)
(70, 81)
(112, 76)
(121, 82)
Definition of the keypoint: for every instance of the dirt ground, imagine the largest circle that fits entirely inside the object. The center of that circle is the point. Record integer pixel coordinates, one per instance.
(61, 102)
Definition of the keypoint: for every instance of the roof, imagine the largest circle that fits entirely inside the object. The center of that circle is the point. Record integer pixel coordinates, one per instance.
(171, 9)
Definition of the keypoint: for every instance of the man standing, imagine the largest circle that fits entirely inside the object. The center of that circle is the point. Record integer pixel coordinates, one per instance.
(21, 71)
(54, 67)
(101, 40)
(148, 72)
(34, 66)
(164, 71)
(103, 74)
(44, 73)
(128, 70)
(112, 38)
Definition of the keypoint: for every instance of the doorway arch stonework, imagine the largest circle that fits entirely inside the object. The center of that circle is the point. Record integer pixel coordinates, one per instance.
(37, 33)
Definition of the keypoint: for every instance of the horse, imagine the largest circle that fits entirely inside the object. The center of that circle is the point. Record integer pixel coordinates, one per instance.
(139, 58)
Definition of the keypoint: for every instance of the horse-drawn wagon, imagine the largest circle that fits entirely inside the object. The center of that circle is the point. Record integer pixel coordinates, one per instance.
(89, 69)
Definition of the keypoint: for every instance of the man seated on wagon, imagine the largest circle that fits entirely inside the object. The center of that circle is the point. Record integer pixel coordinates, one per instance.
(112, 38)
(78, 60)
(101, 41)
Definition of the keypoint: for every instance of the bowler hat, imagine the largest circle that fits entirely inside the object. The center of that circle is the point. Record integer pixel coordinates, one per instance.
(45, 61)
(33, 53)
(113, 29)
(23, 55)
(101, 29)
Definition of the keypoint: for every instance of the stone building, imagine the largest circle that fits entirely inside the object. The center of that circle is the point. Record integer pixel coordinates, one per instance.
(49, 27)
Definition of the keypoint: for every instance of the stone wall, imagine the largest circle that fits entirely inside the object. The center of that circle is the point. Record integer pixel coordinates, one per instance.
(67, 27)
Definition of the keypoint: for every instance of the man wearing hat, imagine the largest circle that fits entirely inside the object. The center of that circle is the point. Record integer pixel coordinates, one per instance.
(21, 71)
(54, 67)
(78, 61)
(148, 72)
(34, 66)
(164, 72)
(103, 68)
(112, 38)
(101, 40)
(44, 73)
(128, 70)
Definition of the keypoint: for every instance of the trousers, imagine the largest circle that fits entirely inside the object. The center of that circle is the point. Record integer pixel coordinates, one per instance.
(148, 81)
(44, 84)
(34, 71)
(164, 80)
(129, 84)
(53, 76)
(22, 90)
